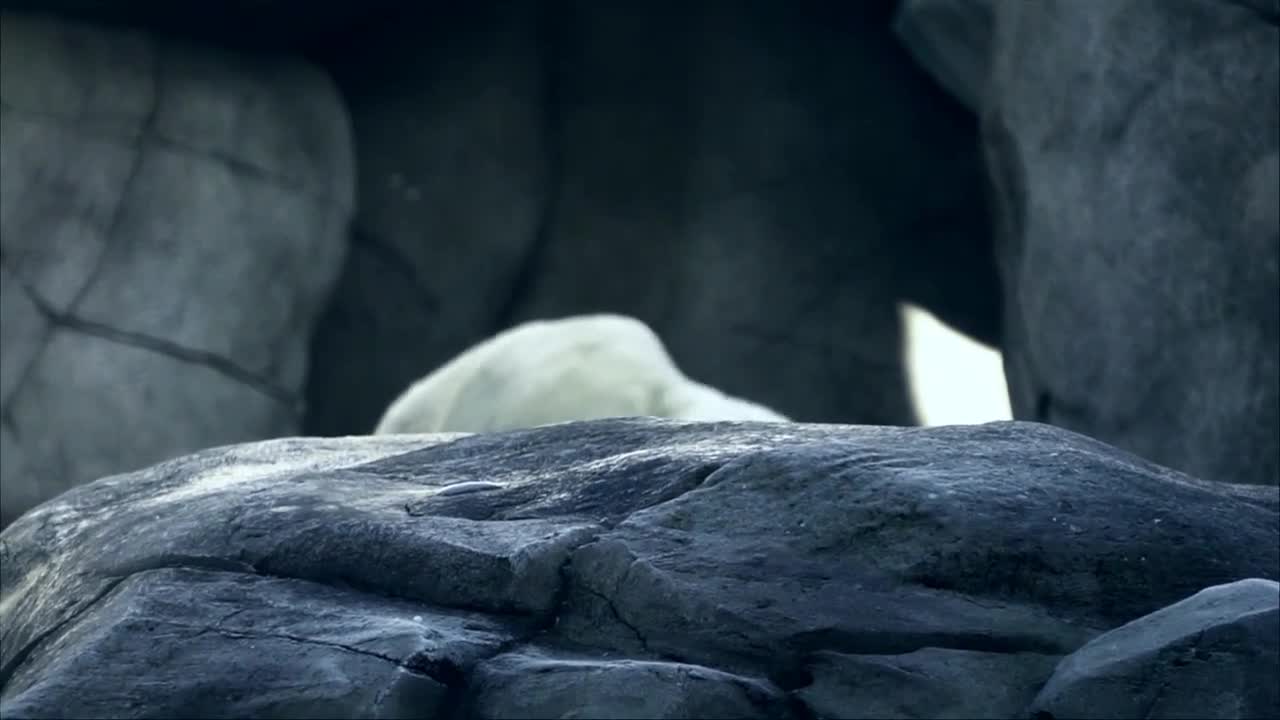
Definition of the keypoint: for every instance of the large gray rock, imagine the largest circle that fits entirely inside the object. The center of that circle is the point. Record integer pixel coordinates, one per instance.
(1135, 151)
(615, 568)
(172, 219)
(769, 185)
(1214, 655)
(925, 683)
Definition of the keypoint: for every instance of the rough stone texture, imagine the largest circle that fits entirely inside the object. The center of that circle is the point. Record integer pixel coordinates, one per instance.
(926, 683)
(951, 39)
(1135, 150)
(1214, 655)
(611, 569)
(172, 219)
(531, 685)
(769, 185)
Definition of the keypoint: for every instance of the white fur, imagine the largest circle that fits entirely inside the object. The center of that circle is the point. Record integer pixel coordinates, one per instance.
(549, 371)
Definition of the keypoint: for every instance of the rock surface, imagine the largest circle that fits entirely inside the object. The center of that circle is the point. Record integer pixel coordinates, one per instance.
(611, 569)
(1135, 150)
(1214, 655)
(172, 218)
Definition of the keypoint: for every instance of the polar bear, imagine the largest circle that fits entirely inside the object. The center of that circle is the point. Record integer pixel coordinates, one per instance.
(548, 371)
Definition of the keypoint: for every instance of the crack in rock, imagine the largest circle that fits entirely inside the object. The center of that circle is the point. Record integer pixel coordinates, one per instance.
(148, 135)
(901, 643)
(146, 126)
(170, 349)
(19, 658)
(10, 423)
(188, 562)
(613, 610)
(245, 635)
(68, 320)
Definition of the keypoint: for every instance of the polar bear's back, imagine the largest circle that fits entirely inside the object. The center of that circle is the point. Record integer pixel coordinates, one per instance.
(579, 368)
(542, 372)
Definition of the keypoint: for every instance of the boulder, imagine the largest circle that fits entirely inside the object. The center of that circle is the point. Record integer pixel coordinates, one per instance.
(612, 568)
(1134, 148)
(925, 683)
(536, 685)
(1214, 655)
(172, 220)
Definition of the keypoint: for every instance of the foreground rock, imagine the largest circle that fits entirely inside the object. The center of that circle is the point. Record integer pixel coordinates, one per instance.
(173, 217)
(1213, 655)
(611, 568)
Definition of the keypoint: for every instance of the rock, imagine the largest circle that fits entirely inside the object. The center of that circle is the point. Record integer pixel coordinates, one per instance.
(926, 683)
(1215, 654)
(298, 650)
(173, 218)
(523, 686)
(951, 39)
(752, 569)
(1135, 152)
